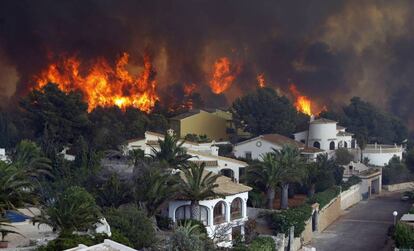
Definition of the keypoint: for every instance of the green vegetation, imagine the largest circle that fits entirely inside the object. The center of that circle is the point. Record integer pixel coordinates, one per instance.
(343, 156)
(262, 244)
(396, 172)
(280, 222)
(404, 236)
(368, 123)
(132, 223)
(197, 185)
(323, 198)
(189, 236)
(353, 180)
(197, 138)
(278, 169)
(73, 210)
(264, 111)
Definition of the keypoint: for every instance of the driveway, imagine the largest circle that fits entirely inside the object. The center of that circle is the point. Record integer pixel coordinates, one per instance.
(363, 227)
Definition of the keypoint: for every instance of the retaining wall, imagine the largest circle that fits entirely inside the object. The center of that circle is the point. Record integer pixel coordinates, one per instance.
(351, 196)
(399, 186)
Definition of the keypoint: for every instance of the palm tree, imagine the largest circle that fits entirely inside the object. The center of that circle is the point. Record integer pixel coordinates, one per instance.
(278, 169)
(268, 174)
(16, 189)
(154, 187)
(29, 156)
(171, 151)
(313, 174)
(197, 184)
(292, 170)
(73, 210)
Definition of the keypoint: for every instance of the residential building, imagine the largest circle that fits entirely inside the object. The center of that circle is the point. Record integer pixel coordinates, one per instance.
(255, 147)
(380, 155)
(200, 152)
(325, 134)
(201, 122)
(371, 177)
(224, 217)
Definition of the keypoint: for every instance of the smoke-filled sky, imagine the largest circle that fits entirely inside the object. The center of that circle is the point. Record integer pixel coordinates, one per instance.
(332, 50)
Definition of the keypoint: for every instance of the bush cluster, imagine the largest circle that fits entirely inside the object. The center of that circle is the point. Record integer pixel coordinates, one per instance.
(404, 236)
(280, 222)
(260, 243)
(353, 180)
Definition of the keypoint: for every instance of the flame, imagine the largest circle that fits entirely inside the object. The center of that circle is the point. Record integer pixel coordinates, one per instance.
(302, 103)
(103, 85)
(223, 75)
(261, 80)
(188, 91)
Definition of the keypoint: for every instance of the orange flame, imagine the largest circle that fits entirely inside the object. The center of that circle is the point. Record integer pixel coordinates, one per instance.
(102, 85)
(223, 75)
(302, 103)
(261, 80)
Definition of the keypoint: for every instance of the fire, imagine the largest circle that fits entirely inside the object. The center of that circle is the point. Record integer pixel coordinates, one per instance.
(223, 75)
(261, 80)
(188, 91)
(302, 103)
(103, 84)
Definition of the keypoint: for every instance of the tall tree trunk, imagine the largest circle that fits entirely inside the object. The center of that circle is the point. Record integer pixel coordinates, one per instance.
(195, 210)
(311, 190)
(270, 197)
(284, 200)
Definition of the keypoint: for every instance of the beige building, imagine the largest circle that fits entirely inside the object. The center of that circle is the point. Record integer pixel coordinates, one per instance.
(201, 122)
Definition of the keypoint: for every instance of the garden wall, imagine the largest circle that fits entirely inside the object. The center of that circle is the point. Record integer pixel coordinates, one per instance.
(399, 186)
(329, 213)
(351, 196)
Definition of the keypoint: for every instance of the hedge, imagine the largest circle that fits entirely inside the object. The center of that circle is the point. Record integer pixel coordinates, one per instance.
(323, 198)
(280, 222)
(262, 244)
(404, 236)
(353, 180)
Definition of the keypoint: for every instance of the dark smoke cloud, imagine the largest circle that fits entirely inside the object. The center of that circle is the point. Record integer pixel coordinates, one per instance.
(332, 50)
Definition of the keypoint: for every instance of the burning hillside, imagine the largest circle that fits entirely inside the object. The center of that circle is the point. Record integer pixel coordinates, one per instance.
(102, 83)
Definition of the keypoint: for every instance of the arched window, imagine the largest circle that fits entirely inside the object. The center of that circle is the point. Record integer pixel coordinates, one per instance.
(236, 209)
(317, 144)
(332, 145)
(184, 213)
(345, 144)
(219, 212)
(227, 172)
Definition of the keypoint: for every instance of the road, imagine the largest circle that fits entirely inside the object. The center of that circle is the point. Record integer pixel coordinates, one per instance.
(363, 227)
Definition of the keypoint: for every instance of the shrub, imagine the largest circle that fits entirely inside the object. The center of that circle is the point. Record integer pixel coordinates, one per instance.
(353, 180)
(74, 210)
(343, 156)
(404, 236)
(262, 244)
(323, 198)
(133, 224)
(189, 237)
(200, 226)
(164, 222)
(280, 222)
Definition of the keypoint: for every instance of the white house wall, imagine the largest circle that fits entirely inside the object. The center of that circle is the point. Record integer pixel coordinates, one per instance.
(256, 151)
(380, 159)
(209, 204)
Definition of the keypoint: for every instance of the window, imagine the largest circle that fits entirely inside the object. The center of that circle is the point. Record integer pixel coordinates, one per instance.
(353, 145)
(219, 213)
(345, 144)
(248, 155)
(184, 213)
(332, 145)
(236, 209)
(317, 144)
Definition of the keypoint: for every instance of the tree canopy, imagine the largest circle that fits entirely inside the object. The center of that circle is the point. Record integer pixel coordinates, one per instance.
(369, 123)
(264, 111)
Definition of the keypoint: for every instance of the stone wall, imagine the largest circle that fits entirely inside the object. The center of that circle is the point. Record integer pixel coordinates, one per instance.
(351, 196)
(329, 213)
(399, 186)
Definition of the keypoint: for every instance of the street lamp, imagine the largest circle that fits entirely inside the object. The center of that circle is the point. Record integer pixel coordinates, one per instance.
(395, 213)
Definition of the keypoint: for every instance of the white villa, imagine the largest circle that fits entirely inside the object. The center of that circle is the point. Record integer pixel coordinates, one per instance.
(380, 155)
(325, 134)
(200, 152)
(223, 217)
(254, 148)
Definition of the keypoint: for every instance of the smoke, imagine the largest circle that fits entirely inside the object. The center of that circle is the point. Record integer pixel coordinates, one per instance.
(331, 50)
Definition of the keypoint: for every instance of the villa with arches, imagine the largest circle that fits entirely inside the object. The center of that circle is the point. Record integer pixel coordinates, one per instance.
(224, 217)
